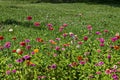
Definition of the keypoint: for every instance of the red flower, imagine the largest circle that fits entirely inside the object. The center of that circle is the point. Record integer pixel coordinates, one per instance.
(22, 43)
(51, 28)
(29, 18)
(13, 51)
(39, 40)
(36, 24)
(85, 38)
(21, 52)
(1, 37)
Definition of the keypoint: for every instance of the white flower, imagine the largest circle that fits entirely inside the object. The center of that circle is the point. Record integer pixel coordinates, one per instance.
(11, 30)
(18, 50)
(115, 67)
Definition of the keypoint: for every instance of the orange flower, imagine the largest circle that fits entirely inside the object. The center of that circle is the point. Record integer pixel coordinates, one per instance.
(53, 42)
(36, 50)
(116, 47)
(28, 62)
(39, 40)
(79, 58)
(66, 45)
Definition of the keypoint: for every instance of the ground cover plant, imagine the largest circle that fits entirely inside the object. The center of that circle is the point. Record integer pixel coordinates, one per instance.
(46, 41)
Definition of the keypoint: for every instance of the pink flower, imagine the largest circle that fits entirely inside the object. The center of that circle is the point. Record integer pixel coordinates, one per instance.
(102, 44)
(98, 50)
(65, 34)
(107, 71)
(61, 29)
(49, 25)
(80, 42)
(54, 55)
(36, 24)
(65, 25)
(89, 27)
(8, 72)
(99, 72)
(7, 45)
(29, 18)
(63, 49)
(106, 31)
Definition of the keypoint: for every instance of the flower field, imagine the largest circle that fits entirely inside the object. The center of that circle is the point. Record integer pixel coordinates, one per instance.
(59, 41)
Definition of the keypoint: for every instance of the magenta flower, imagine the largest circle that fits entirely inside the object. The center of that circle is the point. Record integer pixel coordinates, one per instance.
(57, 48)
(36, 24)
(27, 40)
(109, 56)
(114, 39)
(53, 66)
(7, 45)
(19, 60)
(26, 57)
(115, 77)
(100, 63)
(98, 33)
(28, 47)
(33, 53)
(14, 71)
(101, 40)
(65, 34)
(82, 62)
(8, 72)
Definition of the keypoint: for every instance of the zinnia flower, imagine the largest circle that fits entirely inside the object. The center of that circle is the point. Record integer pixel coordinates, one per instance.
(89, 27)
(36, 24)
(85, 38)
(22, 43)
(8, 72)
(7, 45)
(65, 25)
(29, 18)
(53, 66)
(1, 37)
(19, 60)
(107, 71)
(36, 50)
(14, 71)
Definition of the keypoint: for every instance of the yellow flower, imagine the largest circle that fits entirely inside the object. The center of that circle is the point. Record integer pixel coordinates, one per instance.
(36, 50)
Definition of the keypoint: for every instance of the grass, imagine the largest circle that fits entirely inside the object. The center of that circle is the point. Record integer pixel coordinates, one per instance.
(77, 15)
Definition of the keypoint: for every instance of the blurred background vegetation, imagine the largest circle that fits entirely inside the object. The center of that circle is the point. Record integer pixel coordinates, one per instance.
(69, 1)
